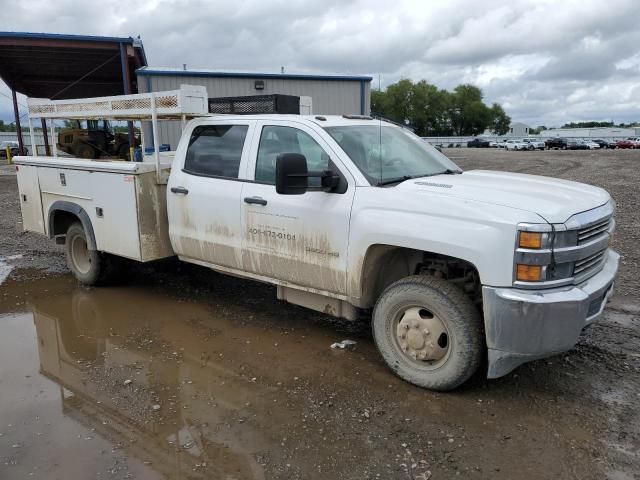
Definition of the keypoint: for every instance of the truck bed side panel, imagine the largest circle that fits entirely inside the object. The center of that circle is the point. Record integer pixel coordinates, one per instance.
(30, 201)
(116, 230)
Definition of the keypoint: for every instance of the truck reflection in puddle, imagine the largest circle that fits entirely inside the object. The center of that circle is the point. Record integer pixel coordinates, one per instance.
(169, 406)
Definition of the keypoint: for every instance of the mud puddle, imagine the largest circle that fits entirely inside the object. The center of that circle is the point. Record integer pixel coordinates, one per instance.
(134, 382)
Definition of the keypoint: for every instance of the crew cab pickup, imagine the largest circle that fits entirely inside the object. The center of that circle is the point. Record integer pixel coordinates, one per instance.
(354, 217)
(560, 143)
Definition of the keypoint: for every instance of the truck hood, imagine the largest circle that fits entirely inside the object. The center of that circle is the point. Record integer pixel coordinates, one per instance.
(553, 199)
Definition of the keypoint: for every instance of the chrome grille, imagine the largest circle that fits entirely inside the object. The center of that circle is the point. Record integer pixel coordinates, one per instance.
(587, 265)
(587, 233)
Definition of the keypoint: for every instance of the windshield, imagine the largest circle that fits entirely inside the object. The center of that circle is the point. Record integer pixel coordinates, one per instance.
(384, 153)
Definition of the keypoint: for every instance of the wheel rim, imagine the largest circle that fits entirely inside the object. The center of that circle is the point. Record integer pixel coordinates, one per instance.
(421, 337)
(80, 254)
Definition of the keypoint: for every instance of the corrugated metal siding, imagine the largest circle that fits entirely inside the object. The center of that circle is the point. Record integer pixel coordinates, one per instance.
(329, 97)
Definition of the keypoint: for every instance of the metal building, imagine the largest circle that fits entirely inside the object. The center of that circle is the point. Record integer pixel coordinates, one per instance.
(519, 129)
(595, 132)
(330, 94)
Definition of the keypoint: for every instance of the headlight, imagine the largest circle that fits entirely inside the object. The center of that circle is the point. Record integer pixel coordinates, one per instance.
(530, 240)
(551, 256)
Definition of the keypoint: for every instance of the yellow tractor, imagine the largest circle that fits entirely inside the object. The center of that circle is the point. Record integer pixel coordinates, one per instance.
(94, 139)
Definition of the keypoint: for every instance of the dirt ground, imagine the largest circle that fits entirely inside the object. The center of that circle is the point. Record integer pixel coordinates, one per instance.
(182, 373)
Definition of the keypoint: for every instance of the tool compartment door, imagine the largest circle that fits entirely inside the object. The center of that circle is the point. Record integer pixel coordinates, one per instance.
(30, 200)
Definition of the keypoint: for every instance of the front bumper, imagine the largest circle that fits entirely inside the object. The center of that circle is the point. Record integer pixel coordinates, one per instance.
(523, 325)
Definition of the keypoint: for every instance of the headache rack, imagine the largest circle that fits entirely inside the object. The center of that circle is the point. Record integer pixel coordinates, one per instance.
(257, 104)
(187, 102)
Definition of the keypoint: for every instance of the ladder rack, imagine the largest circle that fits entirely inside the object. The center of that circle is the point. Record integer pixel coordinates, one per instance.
(188, 102)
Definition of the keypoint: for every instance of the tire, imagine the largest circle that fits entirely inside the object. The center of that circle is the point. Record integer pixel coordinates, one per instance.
(434, 301)
(85, 151)
(90, 267)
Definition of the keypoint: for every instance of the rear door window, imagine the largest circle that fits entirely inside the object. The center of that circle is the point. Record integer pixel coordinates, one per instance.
(216, 150)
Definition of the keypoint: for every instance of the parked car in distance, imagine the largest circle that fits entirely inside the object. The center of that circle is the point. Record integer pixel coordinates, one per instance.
(516, 145)
(14, 149)
(576, 145)
(478, 143)
(604, 143)
(494, 144)
(534, 143)
(560, 143)
(625, 144)
(635, 141)
(591, 145)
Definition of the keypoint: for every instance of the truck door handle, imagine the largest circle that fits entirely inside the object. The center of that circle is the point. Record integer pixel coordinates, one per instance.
(181, 190)
(255, 200)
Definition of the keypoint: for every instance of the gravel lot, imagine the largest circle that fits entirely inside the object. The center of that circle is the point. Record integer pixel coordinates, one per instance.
(247, 387)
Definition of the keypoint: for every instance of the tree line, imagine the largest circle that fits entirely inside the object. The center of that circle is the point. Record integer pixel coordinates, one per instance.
(431, 111)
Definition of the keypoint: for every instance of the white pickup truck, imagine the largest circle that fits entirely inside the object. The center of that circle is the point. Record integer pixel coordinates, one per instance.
(352, 217)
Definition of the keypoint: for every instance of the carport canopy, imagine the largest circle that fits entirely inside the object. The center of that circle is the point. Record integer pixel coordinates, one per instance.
(55, 66)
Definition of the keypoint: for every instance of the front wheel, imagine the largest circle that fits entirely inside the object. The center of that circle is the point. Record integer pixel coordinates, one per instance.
(428, 332)
(90, 267)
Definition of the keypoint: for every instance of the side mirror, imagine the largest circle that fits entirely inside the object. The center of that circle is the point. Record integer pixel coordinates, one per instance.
(291, 174)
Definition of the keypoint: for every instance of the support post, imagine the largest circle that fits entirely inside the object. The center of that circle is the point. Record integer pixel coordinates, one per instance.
(53, 137)
(32, 136)
(126, 82)
(154, 128)
(16, 113)
(45, 134)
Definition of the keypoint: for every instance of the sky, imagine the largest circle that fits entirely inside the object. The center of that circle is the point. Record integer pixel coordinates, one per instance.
(545, 62)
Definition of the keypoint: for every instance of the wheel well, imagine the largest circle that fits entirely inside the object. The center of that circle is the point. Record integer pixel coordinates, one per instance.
(385, 264)
(63, 214)
(61, 222)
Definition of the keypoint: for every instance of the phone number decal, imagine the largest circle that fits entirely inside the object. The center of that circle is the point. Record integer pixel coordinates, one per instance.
(272, 234)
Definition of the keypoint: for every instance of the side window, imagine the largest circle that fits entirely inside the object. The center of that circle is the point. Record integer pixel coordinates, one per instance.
(276, 140)
(215, 150)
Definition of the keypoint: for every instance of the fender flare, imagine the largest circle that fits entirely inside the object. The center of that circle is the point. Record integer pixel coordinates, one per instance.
(78, 211)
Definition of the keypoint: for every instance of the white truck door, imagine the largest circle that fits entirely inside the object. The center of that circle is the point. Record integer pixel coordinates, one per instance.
(203, 193)
(298, 239)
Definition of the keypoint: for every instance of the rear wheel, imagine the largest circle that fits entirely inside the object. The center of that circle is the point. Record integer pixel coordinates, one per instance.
(90, 267)
(428, 332)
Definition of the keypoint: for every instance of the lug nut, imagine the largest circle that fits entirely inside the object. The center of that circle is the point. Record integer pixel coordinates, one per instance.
(425, 331)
